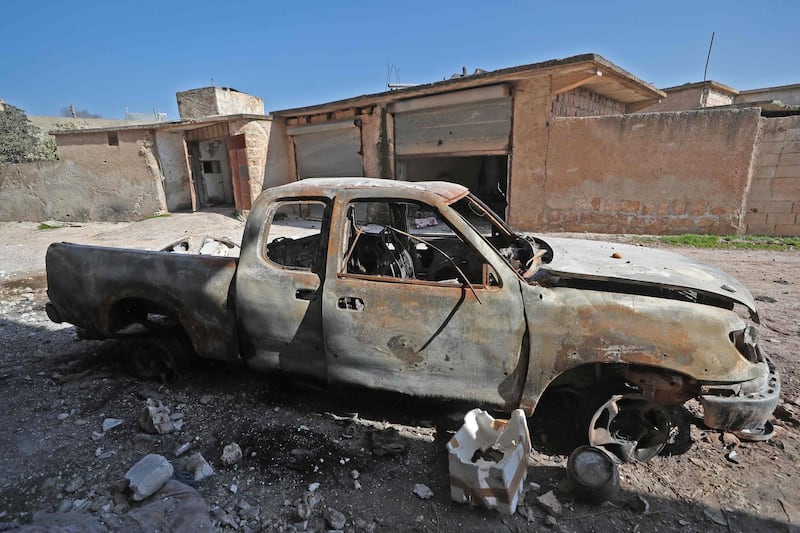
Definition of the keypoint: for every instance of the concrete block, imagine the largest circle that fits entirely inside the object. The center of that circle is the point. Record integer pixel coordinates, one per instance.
(492, 483)
(755, 218)
(779, 206)
(792, 134)
(764, 159)
(796, 207)
(790, 159)
(771, 133)
(764, 172)
(787, 171)
(769, 147)
(782, 219)
(787, 230)
(783, 186)
(791, 147)
(148, 475)
(760, 229)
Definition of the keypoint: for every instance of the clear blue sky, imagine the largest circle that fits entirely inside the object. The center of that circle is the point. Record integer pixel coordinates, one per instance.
(104, 55)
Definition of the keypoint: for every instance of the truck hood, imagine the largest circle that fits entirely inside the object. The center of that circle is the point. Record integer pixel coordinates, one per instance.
(636, 265)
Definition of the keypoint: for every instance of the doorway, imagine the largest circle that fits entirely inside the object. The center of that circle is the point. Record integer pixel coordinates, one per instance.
(485, 175)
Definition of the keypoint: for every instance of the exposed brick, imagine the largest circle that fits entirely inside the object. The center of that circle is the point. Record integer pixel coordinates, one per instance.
(583, 204)
(663, 208)
(793, 134)
(790, 159)
(596, 201)
(706, 222)
(762, 159)
(628, 206)
(760, 229)
(787, 230)
(698, 207)
(770, 147)
(764, 172)
(678, 207)
(648, 208)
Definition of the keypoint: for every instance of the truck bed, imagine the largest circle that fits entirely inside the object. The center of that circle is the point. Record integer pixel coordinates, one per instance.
(118, 292)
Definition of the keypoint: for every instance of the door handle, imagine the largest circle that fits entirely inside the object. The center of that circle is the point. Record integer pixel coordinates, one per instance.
(352, 303)
(306, 294)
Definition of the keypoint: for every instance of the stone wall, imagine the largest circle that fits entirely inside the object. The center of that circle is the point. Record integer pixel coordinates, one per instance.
(654, 173)
(214, 101)
(585, 103)
(773, 201)
(91, 181)
(257, 139)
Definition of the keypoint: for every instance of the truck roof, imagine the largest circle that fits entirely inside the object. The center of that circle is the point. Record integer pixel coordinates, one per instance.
(449, 192)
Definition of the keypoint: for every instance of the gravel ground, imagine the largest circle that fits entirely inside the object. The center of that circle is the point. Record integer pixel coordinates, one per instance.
(319, 459)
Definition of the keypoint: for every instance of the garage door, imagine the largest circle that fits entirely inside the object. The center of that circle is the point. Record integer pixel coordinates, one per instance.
(329, 149)
(475, 121)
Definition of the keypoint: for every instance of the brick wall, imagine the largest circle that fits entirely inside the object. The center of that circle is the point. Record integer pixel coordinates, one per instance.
(584, 103)
(773, 200)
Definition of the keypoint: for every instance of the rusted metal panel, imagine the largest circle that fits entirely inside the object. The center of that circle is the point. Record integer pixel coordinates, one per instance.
(90, 285)
(469, 128)
(328, 152)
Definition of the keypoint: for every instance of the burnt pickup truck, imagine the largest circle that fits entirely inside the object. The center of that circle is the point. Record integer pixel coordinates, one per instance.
(419, 288)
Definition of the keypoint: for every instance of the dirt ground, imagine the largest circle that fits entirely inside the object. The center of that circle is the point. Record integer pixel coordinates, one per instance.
(57, 392)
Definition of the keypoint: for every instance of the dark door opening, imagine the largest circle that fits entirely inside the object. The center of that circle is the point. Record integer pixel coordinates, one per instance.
(485, 175)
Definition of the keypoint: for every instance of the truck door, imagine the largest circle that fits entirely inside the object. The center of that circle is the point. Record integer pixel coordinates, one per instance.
(397, 314)
(277, 289)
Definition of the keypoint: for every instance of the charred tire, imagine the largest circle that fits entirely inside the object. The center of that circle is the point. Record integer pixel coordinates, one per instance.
(166, 358)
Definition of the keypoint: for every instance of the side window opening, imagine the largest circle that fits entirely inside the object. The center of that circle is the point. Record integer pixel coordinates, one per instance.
(407, 240)
(295, 238)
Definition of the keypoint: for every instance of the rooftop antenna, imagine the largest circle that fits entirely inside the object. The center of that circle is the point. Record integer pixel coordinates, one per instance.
(212, 82)
(705, 71)
(72, 111)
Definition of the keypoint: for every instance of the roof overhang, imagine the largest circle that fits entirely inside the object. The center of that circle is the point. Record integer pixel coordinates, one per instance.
(590, 71)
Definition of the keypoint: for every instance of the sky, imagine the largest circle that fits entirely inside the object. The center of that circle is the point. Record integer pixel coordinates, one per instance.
(104, 56)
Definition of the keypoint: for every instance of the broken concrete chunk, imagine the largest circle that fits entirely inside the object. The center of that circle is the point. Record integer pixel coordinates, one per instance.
(387, 442)
(181, 449)
(148, 475)
(231, 454)
(550, 503)
(156, 418)
(335, 519)
(111, 423)
(423, 491)
(198, 467)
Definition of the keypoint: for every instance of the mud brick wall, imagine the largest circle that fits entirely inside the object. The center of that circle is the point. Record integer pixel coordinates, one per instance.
(584, 103)
(773, 200)
(651, 173)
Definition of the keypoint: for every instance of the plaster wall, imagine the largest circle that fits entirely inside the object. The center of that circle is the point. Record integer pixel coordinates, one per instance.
(773, 201)
(174, 169)
(678, 100)
(257, 135)
(90, 181)
(655, 173)
(528, 178)
(278, 170)
(789, 95)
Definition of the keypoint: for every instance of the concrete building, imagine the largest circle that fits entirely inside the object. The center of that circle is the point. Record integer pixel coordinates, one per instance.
(561, 145)
(214, 156)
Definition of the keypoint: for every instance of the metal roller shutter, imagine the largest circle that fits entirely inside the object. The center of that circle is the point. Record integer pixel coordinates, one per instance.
(329, 149)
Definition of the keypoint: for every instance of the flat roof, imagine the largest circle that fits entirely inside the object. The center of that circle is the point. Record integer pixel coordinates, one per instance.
(615, 82)
(174, 125)
(708, 83)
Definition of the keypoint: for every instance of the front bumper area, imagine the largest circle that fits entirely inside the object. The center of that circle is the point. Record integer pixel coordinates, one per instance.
(744, 408)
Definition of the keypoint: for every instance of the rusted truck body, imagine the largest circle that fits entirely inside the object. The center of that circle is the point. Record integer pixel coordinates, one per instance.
(419, 288)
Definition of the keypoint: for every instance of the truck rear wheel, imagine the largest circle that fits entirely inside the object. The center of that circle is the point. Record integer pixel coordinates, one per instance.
(630, 426)
(166, 358)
